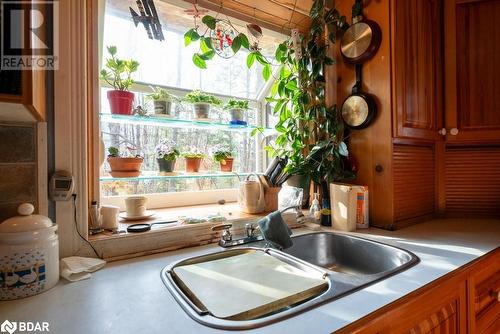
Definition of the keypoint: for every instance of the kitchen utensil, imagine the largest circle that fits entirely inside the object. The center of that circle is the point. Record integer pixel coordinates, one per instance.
(359, 109)
(271, 167)
(246, 284)
(136, 205)
(362, 39)
(251, 195)
(109, 215)
(29, 248)
(143, 227)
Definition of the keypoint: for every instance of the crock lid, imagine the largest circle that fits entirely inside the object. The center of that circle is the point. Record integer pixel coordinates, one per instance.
(26, 221)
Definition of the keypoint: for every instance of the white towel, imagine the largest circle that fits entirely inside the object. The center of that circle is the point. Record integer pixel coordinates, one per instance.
(76, 268)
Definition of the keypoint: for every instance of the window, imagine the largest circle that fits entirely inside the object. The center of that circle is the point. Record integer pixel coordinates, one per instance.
(168, 65)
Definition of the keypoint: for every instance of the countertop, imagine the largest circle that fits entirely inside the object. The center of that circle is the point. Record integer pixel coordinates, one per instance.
(129, 297)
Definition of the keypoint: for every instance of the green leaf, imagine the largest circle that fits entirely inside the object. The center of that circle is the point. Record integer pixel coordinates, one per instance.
(112, 50)
(244, 41)
(207, 55)
(236, 45)
(207, 42)
(209, 21)
(250, 59)
(266, 72)
(292, 85)
(199, 62)
(260, 58)
(190, 36)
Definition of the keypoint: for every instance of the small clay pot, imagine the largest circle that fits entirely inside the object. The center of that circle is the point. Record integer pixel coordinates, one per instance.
(226, 165)
(120, 102)
(166, 166)
(193, 165)
(125, 167)
(201, 110)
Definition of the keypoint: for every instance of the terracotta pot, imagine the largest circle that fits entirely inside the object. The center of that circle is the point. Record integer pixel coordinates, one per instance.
(201, 110)
(226, 165)
(125, 167)
(193, 164)
(162, 108)
(166, 166)
(120, 102)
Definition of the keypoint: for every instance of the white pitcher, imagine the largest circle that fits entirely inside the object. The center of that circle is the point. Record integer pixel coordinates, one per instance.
(251, 195)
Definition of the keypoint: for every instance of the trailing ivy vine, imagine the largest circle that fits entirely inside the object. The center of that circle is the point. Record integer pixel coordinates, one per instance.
(310, 133)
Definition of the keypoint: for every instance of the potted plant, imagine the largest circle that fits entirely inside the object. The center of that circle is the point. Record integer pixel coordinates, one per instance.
(166, 155)
(193, 161)
(237, 108)
(162, 101)
(124, 165)
(225, 158)
(201, 103)
(118, 74)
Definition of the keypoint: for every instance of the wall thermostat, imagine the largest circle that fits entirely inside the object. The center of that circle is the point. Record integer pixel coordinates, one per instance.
(61, 186)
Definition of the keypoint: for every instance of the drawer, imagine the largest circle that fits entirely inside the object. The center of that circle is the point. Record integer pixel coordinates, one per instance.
(487, 294)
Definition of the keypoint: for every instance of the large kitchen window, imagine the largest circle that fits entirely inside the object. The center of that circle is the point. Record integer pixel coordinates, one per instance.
(168, 65)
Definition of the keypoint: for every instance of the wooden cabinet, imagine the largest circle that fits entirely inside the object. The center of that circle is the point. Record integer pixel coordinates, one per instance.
(484, 297)
(417, 68)
(437, 69)
(464, 302)
(23, 92)
(472, 46)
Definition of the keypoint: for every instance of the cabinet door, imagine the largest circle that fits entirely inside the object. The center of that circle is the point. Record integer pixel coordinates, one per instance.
(484, 296)
(472, 46)
(417, 69)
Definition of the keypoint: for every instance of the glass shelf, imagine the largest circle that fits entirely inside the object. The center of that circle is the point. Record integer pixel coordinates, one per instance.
(174, 176)
(179, 123)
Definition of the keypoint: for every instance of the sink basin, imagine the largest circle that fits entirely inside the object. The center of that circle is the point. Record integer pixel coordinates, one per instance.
(347, 263)
(349, 255)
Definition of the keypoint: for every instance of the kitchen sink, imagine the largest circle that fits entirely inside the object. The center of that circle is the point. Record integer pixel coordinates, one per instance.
(348, 263)
(350, 255)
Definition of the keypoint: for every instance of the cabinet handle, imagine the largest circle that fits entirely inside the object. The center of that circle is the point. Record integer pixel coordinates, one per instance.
(442, 132)
(495, 295)
(379, 168)
(454, 131)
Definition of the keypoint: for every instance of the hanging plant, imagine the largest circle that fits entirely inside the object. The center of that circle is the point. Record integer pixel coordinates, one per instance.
(310, 133)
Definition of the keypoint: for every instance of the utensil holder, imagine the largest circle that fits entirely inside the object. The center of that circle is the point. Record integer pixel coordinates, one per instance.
(271, 198)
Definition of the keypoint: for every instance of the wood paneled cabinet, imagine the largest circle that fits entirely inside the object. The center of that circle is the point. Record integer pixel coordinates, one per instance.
(23, 92)
(464, 302)
(417, 67)
(472, 69)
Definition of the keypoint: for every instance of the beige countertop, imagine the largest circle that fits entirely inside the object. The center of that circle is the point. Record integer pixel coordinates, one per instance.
(129, 297)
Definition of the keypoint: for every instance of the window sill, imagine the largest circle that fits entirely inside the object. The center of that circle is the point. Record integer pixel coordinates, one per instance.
(163, 238)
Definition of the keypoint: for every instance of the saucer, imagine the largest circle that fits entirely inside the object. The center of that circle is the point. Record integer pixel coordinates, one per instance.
(147, 214)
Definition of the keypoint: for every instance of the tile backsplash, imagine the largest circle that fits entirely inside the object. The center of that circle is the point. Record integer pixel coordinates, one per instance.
(18, 167)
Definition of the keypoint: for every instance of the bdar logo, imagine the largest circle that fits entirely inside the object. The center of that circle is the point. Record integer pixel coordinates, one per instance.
(8, 326)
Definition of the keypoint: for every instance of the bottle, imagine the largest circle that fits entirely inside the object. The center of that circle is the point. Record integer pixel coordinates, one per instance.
(326, 212)
(315, 209)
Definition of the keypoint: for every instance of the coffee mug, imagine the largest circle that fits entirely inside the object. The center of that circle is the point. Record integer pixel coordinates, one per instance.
(109, 215)
(136, 206)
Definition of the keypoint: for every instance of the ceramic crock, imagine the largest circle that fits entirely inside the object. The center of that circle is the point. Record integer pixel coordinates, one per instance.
(29, 254)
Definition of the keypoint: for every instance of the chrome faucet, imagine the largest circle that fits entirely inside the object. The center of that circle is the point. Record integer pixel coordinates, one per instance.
(250, 229)
(226, 236)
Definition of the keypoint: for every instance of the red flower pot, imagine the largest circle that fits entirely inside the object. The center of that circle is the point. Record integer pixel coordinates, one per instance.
(121, 102)
(226, 165)
(193, 165)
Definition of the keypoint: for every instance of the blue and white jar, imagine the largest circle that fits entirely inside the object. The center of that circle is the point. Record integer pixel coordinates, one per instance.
(29, 254)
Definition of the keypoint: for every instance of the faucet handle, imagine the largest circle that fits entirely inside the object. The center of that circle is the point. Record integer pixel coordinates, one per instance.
(222, 227)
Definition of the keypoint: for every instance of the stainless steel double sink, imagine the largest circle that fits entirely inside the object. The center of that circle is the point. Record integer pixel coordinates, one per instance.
(349, 263)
